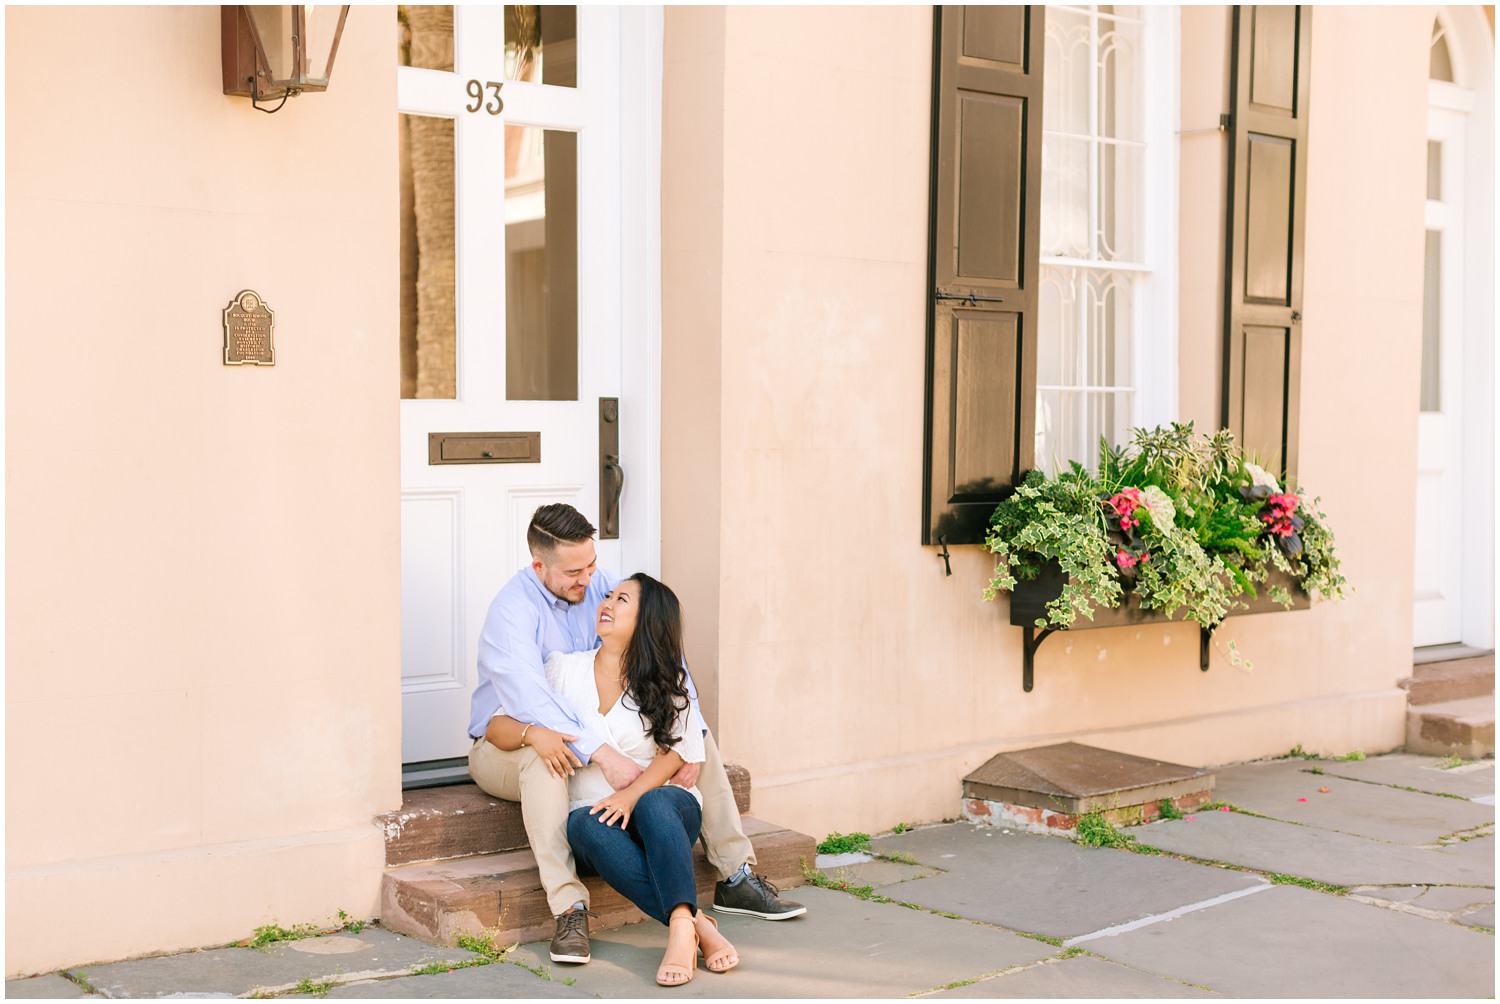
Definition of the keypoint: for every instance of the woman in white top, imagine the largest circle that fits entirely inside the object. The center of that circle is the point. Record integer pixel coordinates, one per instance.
(632, 691)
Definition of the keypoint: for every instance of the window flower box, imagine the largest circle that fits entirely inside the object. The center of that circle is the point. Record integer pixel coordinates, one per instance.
(1173, 527)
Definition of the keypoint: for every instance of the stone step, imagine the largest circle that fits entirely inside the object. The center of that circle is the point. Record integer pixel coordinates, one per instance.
(436, 901)
(461, 820)
(1048, 788)
(1464, 728)
(1453, 680)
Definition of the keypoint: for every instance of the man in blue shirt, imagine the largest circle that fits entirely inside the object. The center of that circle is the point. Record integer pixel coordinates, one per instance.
(549, 607)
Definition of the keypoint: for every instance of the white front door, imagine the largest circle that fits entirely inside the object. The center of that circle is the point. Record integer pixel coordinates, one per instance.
(516, 317)
(1437, 597)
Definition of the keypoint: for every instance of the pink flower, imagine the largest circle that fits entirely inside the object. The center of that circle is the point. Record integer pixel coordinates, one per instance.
(1124, 559)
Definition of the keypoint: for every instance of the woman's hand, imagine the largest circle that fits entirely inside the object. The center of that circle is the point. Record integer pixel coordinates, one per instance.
(552, 748)
(618, 805)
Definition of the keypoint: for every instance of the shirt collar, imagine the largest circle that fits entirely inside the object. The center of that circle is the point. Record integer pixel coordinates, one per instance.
(556, 602)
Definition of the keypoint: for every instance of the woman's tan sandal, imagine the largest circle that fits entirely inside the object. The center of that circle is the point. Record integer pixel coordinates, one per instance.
(675, 974)
(724, 959)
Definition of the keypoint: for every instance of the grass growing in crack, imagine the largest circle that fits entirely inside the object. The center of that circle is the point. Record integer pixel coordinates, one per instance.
(1315, 770)
(434, 968)
(864, 892)
(483, 944)
(484, 948)
(1277, 878)
(844, 843)
(1352, 755)
(270, 934)
(307, 985)
(1071, 952)
(900, 857)
(1167, 809)
(900, 827)
(1093, 830)
(1298, 753)
(1450, 761)
(537, 970)
(1045, 939)
(80, 978)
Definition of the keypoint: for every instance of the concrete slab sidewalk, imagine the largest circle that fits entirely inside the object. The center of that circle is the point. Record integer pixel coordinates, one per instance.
(1287, 790)
(1338, 858)
(1475, 779)
(1037, 916)
(1046, 885)
(1300, 943)
(843, 947)
(1084, 977)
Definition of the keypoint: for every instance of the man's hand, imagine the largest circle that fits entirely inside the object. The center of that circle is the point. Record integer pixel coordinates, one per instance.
(551, 747)
(619, 770)
(686, 776)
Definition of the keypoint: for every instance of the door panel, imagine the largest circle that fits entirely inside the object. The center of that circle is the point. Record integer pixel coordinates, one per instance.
(520, 222)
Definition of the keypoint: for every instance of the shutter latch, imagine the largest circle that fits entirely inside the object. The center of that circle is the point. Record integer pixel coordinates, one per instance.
(969, 298)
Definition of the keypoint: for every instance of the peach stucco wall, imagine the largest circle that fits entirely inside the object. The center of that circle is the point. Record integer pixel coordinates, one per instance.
(202, 562)
(857, 682)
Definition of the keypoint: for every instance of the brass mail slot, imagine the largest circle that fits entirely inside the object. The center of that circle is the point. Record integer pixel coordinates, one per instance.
(484, 447)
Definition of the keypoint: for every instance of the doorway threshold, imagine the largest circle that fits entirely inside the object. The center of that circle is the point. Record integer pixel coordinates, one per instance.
(1446, 653)
(434, 773)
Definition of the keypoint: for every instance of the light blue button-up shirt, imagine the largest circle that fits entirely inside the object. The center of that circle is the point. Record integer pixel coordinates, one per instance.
(525, 624)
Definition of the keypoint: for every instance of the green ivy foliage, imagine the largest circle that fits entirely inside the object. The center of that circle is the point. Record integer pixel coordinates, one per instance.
(1198, 539)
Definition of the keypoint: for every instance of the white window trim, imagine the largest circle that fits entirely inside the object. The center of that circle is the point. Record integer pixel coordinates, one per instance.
(1154, 355)
(1155, 358)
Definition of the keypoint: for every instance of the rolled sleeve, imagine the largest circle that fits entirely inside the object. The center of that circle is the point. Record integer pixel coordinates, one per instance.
(511, 675)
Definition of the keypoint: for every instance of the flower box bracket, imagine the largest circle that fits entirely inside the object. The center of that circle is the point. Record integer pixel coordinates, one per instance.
(1029, 599)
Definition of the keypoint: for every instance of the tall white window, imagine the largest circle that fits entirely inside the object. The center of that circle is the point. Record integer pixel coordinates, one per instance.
(1106, 356)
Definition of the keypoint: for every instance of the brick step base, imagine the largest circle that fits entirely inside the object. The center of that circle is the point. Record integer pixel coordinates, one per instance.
(460, 820)
(1438, 682)
(438, 900)
(1464, 728)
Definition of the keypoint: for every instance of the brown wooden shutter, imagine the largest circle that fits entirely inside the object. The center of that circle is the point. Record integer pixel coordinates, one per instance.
(982, 264)
(1267, 213)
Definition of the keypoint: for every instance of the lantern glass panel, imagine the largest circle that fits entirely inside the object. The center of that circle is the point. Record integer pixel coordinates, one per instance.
(273, 23)
(321, 24)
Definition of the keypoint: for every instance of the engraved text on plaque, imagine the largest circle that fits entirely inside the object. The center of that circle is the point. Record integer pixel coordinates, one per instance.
(248, 326)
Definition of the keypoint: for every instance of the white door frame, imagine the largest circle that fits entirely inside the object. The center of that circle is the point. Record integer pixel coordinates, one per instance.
(616, 109)
(1471, 48)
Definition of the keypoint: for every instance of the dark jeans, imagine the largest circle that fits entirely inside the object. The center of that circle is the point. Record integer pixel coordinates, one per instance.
(650, 862)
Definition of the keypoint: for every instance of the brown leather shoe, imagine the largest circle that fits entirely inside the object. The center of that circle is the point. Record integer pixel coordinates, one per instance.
(571, 942)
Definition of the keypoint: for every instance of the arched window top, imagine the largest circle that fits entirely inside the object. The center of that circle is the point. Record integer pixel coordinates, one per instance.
(1440, 66)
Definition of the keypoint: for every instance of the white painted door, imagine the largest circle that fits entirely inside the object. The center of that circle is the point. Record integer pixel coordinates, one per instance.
(514, 209)
(1437, 597)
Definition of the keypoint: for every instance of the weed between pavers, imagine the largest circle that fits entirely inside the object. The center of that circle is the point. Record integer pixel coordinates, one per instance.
(80, 978)
(482, 945)
(1450, 761)
(270, 934)
(1093, 830)
(844, 843)
(307, 985)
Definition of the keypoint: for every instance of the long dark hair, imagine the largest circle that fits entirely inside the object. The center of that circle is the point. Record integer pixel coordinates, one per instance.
(653, 664)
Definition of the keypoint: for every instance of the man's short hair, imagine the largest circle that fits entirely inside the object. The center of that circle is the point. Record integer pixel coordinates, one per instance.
(551, 525)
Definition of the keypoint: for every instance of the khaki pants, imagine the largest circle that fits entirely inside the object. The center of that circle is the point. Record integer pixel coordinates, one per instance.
(521, 776)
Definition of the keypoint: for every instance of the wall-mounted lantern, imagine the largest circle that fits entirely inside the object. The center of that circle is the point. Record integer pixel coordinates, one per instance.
(276, 51)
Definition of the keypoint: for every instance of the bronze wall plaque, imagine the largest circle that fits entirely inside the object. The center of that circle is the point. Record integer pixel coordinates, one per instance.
(484, 447)
(248, 328)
